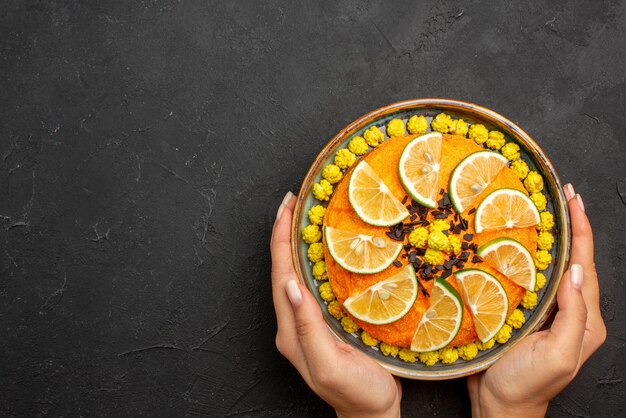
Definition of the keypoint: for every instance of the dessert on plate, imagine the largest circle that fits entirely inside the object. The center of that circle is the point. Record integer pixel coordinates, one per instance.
(429, 241)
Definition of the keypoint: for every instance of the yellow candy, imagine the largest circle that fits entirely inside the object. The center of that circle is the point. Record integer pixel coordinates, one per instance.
(441, 123)
(478, 133)
(332, 173)
(358, 146)
(417, 124)
(395, 127)
(344, 158)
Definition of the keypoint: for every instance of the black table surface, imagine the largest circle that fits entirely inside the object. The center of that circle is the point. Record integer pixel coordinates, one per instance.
(145, 147)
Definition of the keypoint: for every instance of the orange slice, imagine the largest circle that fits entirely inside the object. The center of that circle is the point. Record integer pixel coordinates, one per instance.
(506, 208)
(486, 299)
(372, 200)
(386, 301)
(472, 176)
(512, 259)
(419, 168)
(441, 321)
(360, 253)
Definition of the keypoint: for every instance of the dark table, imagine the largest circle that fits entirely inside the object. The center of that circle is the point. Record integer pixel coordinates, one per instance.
(146, 146)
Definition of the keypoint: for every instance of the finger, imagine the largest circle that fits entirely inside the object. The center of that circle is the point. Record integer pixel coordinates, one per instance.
(582, 253)
(318, 345)
(281, 232)
(582, 249)
(582, 236)
(282, 271)
(282, 264)
(569, 191)
(568, 329)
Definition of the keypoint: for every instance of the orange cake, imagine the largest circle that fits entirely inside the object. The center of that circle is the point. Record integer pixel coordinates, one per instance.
(440, 245)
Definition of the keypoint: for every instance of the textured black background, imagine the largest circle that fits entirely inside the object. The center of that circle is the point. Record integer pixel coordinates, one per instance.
(145, 147)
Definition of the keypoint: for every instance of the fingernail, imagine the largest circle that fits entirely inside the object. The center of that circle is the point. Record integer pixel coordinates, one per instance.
(580, 202)
(286, 199)
(576, 275)
(569, 191)
(293, 292)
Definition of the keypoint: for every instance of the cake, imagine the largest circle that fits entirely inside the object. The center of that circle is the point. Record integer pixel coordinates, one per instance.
(441, 240)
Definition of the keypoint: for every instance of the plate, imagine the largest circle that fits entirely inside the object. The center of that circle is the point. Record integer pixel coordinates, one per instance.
(536, 160)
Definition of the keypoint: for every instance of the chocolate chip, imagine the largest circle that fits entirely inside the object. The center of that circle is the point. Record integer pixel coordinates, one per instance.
(468, 237)
(393, 236)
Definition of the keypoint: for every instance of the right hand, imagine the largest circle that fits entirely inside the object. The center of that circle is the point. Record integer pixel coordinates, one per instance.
(524, 380)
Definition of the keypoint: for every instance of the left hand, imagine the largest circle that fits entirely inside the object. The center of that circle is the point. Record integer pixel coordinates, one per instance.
(350, 381)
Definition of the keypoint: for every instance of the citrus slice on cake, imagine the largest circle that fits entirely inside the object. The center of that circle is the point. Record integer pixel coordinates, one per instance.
(419, 168)
(512, 259)
(441, 321)
(486, 299)
(472, 176)
(386, 301)
(360, 253)
(506, 208)
(372, 200)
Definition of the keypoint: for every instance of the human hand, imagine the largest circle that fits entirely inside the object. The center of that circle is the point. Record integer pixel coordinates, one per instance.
(524, 380)
(351, 382)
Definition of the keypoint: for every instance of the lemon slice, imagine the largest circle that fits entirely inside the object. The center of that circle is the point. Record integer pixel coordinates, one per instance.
(386, 301)
(472, 176)
(486, 299)
(441, 321)
(419, 168)
(512, 259)
(359, 253)
(506, 208)
(372, 200)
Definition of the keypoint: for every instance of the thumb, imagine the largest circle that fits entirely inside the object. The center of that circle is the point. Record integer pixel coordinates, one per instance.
(318, 344)
(568, 328)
